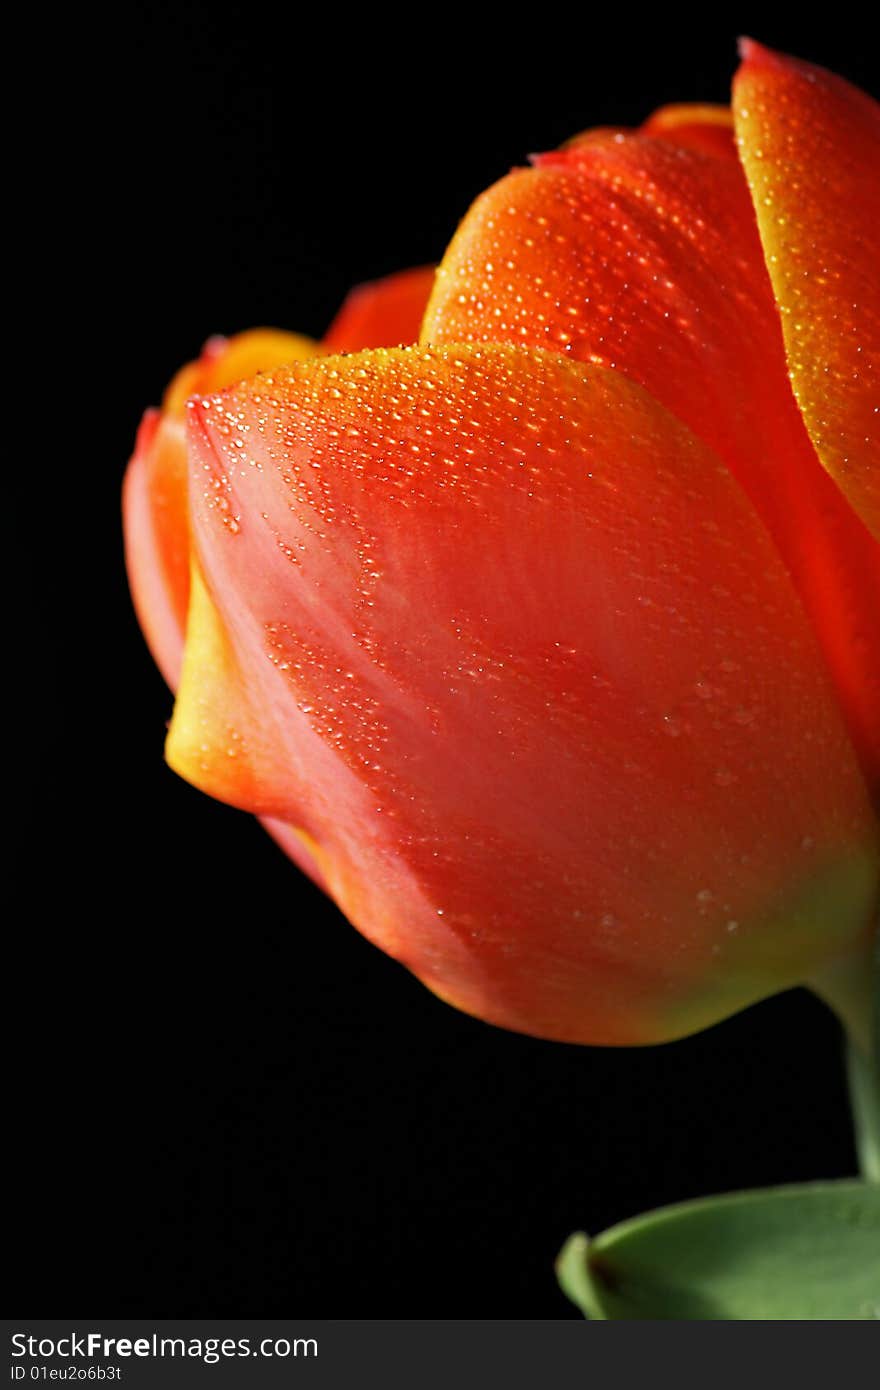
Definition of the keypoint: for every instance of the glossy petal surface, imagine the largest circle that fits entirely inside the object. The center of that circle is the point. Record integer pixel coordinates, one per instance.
(638, 254)
(810, 145)
(384, 313)
(513, 648)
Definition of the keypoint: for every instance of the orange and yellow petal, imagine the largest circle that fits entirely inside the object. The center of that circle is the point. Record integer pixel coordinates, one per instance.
(693, 125)
(225, 360)
(154, 499)
(810, 146)
(512, 648)
(643, 256)
(383, 313)
(697, 126)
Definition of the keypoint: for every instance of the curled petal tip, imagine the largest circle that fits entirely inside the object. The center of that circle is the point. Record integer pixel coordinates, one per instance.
(759, 56)
(749, 50)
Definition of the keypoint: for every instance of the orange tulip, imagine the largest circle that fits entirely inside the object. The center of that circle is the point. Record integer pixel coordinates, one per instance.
(551, 646)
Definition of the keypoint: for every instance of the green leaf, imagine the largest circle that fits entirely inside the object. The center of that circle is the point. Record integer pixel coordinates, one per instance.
(802, 1252)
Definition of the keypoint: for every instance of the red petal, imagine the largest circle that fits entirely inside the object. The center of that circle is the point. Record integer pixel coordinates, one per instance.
(514, 649)
(384, 313)
(810, 145)
(633, 253)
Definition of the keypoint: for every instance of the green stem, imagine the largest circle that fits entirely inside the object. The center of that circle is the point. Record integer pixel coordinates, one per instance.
(864, 1095)
(852, 989)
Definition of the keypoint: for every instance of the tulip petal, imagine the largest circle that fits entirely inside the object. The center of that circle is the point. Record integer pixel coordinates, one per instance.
(810, 146)
(384, 313)
(154, 497)
(213, 707)
(515, 651)
(225, 360)
(635, 253)
(155, 509)
(694, 126)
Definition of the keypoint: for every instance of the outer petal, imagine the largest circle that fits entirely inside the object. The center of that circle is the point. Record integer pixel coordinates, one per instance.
(155, 512)
(637, 254)
(810, 146)
(154, 498)
(384, 313)
(516, 652)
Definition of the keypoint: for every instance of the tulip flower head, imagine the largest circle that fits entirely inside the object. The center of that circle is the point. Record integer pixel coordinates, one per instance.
(536, 611)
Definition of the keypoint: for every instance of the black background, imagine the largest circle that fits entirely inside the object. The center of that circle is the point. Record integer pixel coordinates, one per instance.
(223, 1100)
